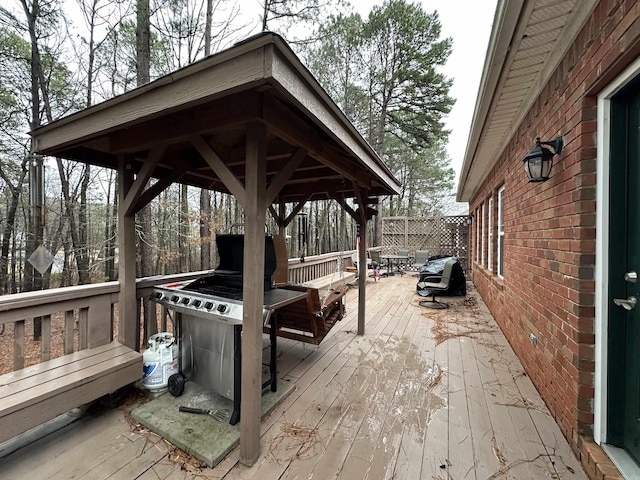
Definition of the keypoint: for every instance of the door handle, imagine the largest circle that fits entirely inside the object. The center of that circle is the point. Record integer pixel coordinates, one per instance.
(631, 277)
(627, 304)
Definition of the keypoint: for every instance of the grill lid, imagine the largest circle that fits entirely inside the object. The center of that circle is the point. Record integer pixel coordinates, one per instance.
(228, 273)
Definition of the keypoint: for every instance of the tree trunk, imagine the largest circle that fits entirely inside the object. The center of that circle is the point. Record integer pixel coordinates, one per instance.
(143, 56)
(81, 249)
(143, 42)
(33, 278)
(147, 268)
(9, 232)
(110, 231)
(205, 196)
(183, 246)
(205, 230)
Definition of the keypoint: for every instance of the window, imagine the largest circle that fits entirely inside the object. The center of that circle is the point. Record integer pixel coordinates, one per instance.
(478, 221)
(501, 232)
(490, 234)
(482, 237)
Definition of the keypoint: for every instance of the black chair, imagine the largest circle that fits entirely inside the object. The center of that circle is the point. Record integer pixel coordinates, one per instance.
(421, 258)
(437, 283)
(403, 264)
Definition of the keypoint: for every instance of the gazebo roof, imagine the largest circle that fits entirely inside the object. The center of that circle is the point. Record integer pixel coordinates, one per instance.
(191, 126)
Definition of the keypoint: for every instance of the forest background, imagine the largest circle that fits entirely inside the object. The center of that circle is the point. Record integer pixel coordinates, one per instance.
(383, 70)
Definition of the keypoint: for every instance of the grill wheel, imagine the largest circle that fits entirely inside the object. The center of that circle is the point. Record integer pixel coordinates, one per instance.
(175, 384)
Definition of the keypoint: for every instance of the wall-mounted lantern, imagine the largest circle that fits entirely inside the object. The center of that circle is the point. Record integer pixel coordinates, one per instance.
(539, 160)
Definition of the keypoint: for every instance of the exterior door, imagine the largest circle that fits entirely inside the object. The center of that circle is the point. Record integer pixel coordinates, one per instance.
(624, 266)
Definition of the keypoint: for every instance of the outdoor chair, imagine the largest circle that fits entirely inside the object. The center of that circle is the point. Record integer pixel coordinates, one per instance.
(436, 284)
(421, 257)
(375, 264)
(403, 264)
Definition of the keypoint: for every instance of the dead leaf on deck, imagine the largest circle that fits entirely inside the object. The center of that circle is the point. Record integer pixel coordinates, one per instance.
(296, 440)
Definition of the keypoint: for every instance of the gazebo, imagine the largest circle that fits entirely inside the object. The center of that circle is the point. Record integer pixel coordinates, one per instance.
(250, 121)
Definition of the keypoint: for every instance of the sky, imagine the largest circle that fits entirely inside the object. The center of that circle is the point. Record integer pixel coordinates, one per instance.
(468, 23)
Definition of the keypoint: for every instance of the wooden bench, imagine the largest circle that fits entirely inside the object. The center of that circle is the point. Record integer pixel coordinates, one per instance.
(310, 319)
(36, 394)
(333, 280)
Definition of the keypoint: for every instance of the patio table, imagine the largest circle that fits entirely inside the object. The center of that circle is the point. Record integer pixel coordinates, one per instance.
(396, 260)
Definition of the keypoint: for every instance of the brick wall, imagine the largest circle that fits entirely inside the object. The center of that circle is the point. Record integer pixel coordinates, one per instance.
(548, 287)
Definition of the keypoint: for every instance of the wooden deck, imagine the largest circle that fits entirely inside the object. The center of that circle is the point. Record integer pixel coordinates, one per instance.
(425, 394)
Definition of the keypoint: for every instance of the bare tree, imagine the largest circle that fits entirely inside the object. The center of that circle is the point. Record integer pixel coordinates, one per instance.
(281, 15)
(190, 29)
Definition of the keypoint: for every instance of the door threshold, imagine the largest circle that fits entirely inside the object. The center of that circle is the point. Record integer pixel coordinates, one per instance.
(623, 461)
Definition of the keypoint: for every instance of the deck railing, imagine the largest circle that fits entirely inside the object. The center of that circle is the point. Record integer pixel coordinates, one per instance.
(302, 270)
(69, 319)
(85, 316)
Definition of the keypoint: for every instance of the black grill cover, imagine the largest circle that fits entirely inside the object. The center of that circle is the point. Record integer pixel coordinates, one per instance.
(228, 273)
(434, 268)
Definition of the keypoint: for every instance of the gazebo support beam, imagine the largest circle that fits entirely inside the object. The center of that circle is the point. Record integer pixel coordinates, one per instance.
(221, 169)
(255, 207)
(284, 174)
(156, 189)
(137, 188)
(283, 221)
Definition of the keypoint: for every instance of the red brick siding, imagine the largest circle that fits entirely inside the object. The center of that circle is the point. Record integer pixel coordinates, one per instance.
(548, 287)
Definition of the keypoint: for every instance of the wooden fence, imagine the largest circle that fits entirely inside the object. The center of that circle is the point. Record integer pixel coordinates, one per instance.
(437, 235)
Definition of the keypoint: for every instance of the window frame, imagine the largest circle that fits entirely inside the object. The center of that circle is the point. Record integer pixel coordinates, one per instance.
(490, 233)
(483, 257)
(478, 220)
(500, 233)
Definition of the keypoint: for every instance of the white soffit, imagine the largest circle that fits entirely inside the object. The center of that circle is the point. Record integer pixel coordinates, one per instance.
(528, 41)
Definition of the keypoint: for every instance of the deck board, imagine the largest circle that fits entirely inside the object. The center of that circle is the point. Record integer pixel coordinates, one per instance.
(484, 458)
(390, 404)
(379, 441)
(366, 398)
(422, 386)
(435, 448)
(506, 442)
(326, 414)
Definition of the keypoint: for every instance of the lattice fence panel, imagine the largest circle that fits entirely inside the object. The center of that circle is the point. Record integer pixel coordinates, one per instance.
(437, 235)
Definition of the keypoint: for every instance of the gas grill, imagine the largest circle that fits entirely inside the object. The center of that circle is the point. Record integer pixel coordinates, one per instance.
(209, 318)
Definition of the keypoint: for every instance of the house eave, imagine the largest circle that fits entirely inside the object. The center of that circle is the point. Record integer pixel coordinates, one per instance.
(534, 36)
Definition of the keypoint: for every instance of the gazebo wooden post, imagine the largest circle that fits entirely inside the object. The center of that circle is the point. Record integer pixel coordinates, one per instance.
(253, 293)
(362, 267)
(362, 217)
(128, 318)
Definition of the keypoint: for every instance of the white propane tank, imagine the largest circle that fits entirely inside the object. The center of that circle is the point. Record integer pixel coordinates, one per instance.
(159, 361)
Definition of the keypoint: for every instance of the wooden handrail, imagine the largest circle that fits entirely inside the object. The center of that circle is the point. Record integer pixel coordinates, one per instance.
(85, 315)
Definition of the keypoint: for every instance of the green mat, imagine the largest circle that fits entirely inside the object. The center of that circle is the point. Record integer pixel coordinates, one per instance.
(209, 438)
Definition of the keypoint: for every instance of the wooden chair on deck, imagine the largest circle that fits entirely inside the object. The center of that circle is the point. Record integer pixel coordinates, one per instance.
(310, 319)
